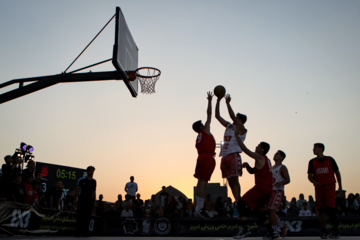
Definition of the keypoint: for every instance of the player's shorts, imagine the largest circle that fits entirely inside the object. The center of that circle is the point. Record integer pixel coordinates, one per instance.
(205, 166)
(275, 200)
(258, 197)
(325, 196)
(231, 165)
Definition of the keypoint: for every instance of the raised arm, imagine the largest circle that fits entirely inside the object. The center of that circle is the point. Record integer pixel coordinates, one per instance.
(217, 114)
(259, 159)
(208, 112)
(233, 116)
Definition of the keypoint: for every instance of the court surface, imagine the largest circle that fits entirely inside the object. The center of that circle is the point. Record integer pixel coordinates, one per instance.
(163, 238)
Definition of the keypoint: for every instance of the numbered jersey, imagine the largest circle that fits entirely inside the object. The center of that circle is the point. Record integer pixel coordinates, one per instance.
(205, 143)
(230, 144)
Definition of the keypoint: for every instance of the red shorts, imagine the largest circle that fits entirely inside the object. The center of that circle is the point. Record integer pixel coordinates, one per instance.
(325, 196)
(231, 165)
(205, 166)
(258, 197)
(275, 200)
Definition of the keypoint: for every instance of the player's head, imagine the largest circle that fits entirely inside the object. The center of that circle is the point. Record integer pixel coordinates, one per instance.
(89, 168)
(263, 148)
(318, 148)
(132, 178)
(242, 117)
(279, 156)
(90, 171)
(197, 126)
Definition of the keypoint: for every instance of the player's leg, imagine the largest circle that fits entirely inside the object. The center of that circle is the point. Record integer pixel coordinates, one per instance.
(321, 206)
(234, 186)
(200, 194)
(331, 211)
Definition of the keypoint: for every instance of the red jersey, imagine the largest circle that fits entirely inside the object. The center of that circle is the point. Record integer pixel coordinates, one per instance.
(29, 193)
(264, 176)
(205, 143)
(323, 171)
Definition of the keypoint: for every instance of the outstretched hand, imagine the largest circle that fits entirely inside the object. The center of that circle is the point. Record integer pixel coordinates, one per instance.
(210, 95)
(227, 98)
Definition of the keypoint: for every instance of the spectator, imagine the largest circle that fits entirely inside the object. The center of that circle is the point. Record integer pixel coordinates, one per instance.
(171, 206)
(15, 166)
(179, 208)
(300, 202)
(6, 169)
(312, 205)
(219, 207)
(127, 211)
(3, 192)
(292, 209)
(68, 201)
(37, 186)
(284, 207)
(29, 170)
(100, 205)
(305, 212)
(131, 188)
(138, 206)
(118, 204)
(189, 208)
(209, 206)
(17, 190)
(228, 207)
(340, 204)
(31, 197)
(128, 203)
(146, 208)
(358, 200)
(154, 210)
(6, 177)
(352, 205)
(164, 197)
(54, 196)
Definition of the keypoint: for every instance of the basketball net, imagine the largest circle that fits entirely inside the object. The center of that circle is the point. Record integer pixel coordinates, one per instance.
(147, 77)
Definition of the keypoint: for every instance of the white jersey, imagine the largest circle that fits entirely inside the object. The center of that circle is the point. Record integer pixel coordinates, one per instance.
(230, 144)
(277, 178)
(131, 188)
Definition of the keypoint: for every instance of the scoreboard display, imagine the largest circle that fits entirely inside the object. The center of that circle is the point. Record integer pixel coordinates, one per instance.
(51, 173)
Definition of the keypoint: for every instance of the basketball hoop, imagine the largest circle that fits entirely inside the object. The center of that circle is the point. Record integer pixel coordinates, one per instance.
(147, 77)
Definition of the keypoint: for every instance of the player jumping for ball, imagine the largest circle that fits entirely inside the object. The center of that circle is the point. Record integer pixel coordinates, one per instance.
(231, 163)
(205, 165)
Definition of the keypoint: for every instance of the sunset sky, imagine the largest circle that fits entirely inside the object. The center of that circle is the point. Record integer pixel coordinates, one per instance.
(292, 67)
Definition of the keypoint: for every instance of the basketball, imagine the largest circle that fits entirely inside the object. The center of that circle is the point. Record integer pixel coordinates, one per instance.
(219, 91)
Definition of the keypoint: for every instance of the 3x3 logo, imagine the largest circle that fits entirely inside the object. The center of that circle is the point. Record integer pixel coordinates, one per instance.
(20, 219)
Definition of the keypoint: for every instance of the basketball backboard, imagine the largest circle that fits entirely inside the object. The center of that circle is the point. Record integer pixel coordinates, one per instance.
(125, 53)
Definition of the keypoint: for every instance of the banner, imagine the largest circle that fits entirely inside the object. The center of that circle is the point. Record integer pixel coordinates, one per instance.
(16, 217)
(19, 216)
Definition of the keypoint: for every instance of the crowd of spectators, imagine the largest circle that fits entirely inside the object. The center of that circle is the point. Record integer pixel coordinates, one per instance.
(166, 205)
(24, 186)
